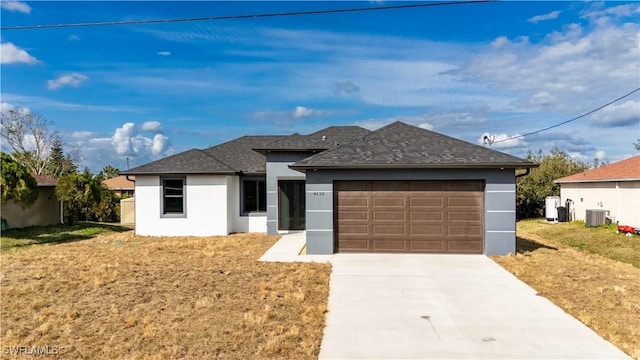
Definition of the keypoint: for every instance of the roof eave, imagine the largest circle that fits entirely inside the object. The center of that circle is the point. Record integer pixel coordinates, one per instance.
(160, 173)
(560, 181)
(417, 166)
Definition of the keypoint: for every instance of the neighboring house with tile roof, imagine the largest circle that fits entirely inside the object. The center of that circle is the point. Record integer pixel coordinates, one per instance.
(396, 189)
(121, 186)
(46, 210)
(614, 187)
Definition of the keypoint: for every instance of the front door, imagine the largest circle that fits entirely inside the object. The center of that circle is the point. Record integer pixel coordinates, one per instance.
(291, 205)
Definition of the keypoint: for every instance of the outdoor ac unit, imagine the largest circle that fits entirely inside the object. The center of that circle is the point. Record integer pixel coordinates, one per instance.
(596, 217)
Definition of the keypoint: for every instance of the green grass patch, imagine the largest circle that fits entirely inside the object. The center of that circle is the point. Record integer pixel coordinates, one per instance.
(603, 240)
(14, 238)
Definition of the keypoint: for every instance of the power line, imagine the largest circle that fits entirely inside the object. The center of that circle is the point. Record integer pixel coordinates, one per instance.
(491, 142)
(250, 16)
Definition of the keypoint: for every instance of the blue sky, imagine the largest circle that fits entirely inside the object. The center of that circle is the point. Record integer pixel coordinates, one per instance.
(151, 90)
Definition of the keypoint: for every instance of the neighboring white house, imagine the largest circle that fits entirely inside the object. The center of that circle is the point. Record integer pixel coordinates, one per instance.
(614, 187)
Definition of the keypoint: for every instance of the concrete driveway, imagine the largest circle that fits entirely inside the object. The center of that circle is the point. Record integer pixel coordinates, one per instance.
(446, 306)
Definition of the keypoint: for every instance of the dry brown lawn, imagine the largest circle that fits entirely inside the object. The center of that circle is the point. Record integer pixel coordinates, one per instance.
(122, 296)
(601, 292)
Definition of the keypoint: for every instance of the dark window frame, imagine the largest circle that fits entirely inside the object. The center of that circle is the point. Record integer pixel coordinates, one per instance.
(164, 196)
(253, 185)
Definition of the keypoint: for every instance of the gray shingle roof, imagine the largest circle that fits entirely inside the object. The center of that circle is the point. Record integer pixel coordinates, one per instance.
(227, 158)
(188, 162)
(239, 155)
(400, 145)
(320, 140)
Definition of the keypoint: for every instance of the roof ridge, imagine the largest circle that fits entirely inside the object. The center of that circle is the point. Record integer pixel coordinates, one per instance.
(217, 159)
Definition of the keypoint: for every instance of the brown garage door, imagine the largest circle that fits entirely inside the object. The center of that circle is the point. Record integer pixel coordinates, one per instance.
(410, 216)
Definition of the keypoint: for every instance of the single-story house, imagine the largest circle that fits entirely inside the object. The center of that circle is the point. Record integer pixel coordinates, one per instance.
(614, 187)
(47, 210)
(121, 186)
(396, 189)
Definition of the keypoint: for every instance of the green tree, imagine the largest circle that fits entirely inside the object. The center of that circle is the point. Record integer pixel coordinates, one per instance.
(85, 198)
(17, 183)
(637, 145)
(109, 172)
(59, 164)
(535, 187)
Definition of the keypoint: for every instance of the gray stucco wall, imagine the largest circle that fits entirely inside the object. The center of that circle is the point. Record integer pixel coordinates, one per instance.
(499, 202)
(278, 169)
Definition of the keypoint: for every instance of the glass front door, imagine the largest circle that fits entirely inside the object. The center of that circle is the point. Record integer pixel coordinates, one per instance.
(291, 205)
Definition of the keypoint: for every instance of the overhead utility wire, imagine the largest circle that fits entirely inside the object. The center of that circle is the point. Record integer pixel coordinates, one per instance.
(250, 16)
(568, 121)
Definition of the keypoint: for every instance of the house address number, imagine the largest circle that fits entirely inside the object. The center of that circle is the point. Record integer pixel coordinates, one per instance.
(318, 193)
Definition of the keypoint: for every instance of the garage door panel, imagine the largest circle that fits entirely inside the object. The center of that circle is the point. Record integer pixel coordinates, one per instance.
(354, 245)
(347, 201)
(388, 216)
(388, 230)
(410, 216)
(389, 245)
(351, 215)
(433, 202)
(466, 230)
(425, 216)
(464, 216)
(465, 202)
(430, 246)
(349, 229)
(426, 230)
(470, 247)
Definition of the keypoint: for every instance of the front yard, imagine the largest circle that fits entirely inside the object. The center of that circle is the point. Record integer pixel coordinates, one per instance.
(592, 273)
(116, 295)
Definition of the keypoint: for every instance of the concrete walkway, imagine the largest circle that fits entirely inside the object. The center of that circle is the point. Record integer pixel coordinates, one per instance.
(405, 306)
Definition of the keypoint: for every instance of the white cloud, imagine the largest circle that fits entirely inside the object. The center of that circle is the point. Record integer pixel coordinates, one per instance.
(550, 16)
(151, 126)
(620, 11)
(17, 6)
(501, 141)
(283, 118)
(127, 141)
(72, 79)
(302, 112)
(164, 53)
(5, 106)
(569, 72)
(82, 134)
(427, 121)
(73, 37)
(617, 115)
(11, 54)
(541, 98)
(600, 155)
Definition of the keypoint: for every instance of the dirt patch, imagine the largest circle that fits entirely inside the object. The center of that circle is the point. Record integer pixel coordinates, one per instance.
(601, 292)
(122, 296)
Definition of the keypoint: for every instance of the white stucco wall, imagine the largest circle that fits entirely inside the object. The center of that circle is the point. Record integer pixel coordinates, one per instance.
(256, 222)
(206, 207)
(622, 199)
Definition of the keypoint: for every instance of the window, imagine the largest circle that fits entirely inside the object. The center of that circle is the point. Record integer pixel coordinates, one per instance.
(173, 196)
(254, 196)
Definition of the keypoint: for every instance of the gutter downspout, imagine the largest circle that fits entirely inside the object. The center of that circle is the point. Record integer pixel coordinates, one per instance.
(134, 201)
